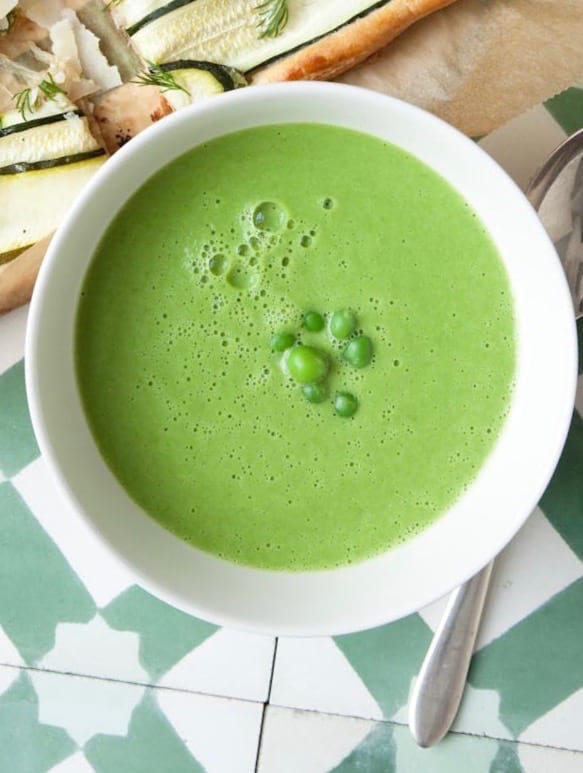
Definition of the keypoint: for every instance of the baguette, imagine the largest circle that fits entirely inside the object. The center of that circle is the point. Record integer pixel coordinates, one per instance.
(17, 277)
(352, 44)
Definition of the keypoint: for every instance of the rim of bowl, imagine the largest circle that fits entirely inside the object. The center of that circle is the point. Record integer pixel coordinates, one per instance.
(446, 578)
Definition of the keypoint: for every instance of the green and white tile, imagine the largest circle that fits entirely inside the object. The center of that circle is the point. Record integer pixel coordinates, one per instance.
(103, 576)
(362, 675)
(26, 743)
(134, 636)
(336, 744)
(227, 663)
(516, 590)
(12, 334)
(77, 610)
(326, 741)
(315, 674)
(67, 723)
(555, 727)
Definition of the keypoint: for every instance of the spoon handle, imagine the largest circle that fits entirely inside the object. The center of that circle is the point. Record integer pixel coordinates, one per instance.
(439, 687)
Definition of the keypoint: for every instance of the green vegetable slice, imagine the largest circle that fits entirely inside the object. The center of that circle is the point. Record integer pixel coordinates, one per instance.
(34, 204)
(54, 139)
(188, 80)
(157, 14)
(47, 119)
(228, 77)
(49, 163)
(228, 31)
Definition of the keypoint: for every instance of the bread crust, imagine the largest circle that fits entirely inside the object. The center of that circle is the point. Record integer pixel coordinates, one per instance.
(17, 277)
(339, 51)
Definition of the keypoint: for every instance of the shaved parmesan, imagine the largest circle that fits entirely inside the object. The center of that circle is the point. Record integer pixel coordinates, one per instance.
(65, 49)
(93, 63)
(45, 13)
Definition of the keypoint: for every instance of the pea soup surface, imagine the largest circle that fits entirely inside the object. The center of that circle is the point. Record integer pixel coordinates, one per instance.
(228, 247)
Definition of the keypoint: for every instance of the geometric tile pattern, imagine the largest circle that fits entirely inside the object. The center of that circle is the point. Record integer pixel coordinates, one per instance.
(96, 675)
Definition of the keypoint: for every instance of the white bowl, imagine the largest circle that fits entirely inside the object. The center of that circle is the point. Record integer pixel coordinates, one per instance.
(407, 577)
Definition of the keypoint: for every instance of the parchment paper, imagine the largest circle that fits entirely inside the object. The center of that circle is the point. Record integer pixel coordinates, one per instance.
(479, 63)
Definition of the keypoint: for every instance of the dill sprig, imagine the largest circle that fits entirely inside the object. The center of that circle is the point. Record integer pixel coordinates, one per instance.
(272, 16)
(155, 75)
(23, 102)
(29, 98)
(49, 88)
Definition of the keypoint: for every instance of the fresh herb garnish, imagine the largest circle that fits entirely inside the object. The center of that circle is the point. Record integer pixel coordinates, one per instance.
(272, 16)
(155, 75)
(23, 102)
(29, 98)
(49, 88)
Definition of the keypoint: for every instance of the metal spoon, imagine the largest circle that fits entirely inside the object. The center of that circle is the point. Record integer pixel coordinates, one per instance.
(556, 192)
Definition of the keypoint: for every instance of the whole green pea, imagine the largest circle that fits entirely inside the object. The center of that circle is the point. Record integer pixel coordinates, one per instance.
(345, 404)
(313, 321)
(342, 323)
(358, 352)
(315, 393)
(307, 365)
(282, 341)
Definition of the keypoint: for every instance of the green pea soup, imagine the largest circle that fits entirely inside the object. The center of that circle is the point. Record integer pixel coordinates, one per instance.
(221, 255)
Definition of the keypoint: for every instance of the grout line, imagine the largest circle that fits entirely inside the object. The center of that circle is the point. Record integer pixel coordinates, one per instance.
(265, 705)
(114, 680)
(270, 685)
(466, 733)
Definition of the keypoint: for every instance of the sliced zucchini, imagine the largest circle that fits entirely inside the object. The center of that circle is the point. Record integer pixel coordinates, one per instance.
(233, 31)
(44, 162)
(46, 139)
(187, 81)
(10, 127)
(44, 110)
(49, 163)
(129, 13)
(33, 204)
